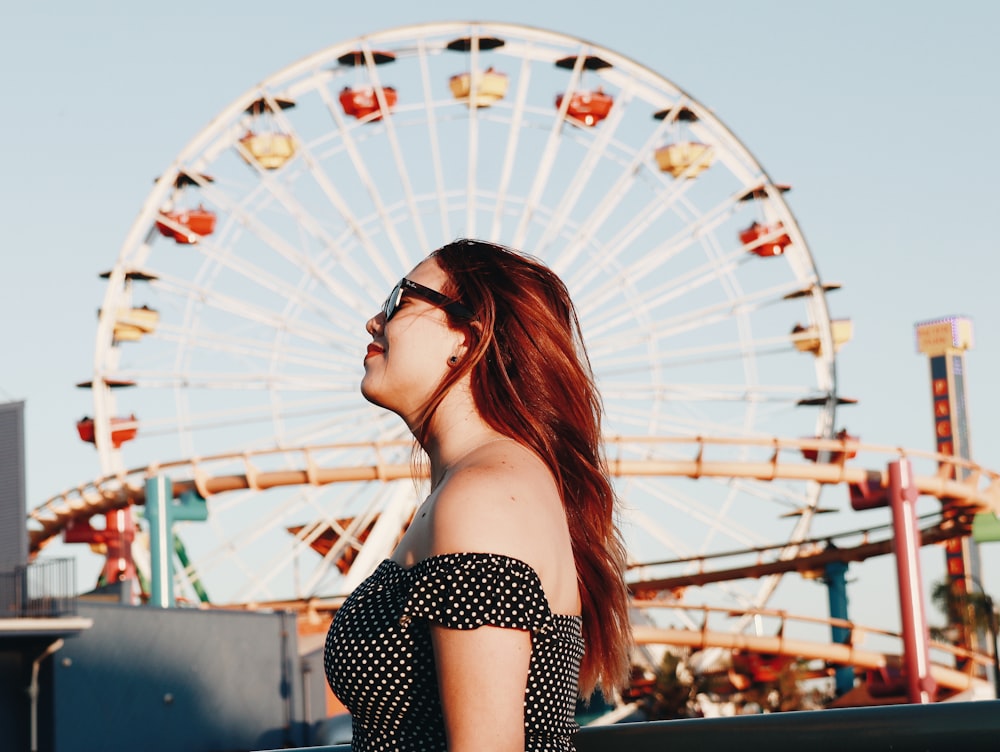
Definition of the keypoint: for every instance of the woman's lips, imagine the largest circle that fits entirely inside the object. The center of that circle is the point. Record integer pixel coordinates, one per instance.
(373, 349)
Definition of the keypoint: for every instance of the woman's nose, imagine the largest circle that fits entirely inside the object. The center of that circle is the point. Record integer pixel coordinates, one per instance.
(374, 325)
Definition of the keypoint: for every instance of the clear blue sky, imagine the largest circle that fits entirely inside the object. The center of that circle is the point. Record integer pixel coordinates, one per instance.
(882, 116)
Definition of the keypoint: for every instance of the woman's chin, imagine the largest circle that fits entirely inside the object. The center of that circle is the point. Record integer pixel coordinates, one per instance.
(377, 396)
(370, 394)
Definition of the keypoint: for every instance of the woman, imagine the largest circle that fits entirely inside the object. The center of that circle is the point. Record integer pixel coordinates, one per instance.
(504, 599)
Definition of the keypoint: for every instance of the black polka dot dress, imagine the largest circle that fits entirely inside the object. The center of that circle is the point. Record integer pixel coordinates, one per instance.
(380, 663)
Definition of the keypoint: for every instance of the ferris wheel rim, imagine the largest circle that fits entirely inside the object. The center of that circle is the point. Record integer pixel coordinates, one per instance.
(189, 161)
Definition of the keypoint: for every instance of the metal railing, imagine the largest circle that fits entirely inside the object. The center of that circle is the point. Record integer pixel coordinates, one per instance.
(900, 728)
(39, 590)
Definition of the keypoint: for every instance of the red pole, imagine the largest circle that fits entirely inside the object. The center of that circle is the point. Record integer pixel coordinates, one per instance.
(916, 653)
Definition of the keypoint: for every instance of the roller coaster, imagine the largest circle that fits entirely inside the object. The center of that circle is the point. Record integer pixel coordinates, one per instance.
(978, 491)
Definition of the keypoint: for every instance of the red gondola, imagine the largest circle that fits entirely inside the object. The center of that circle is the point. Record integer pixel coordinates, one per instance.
(588, 107)
(199, 222)
(122, 430)
(363, 101)
(774, 246)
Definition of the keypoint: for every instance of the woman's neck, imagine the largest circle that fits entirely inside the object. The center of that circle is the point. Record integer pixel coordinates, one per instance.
(453, 434)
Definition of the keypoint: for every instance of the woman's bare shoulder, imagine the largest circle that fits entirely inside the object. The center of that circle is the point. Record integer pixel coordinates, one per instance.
(505, 501)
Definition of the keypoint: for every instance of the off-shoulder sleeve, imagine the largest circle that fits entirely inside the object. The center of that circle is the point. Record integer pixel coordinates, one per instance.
(471, 590)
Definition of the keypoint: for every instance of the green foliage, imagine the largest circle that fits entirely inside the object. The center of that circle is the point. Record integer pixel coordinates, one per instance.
(972, 611)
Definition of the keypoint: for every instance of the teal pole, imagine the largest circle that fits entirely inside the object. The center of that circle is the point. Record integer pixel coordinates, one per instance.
(162, 509)
(159, 495)
(835, 574)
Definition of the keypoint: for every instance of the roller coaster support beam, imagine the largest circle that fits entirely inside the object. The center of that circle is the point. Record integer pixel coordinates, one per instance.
(162, 509)
(117, 538)
(903, 496)
(835, 574)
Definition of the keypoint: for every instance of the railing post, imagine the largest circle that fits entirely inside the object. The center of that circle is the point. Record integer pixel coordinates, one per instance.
(916, 653)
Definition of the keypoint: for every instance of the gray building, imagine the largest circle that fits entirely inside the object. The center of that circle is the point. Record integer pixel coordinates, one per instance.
(90, 674)
(120, 677)
(13, 533)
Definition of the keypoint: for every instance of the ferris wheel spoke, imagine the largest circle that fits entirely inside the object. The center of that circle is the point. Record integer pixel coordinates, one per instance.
(335, 413)
(579, 182)
(364, 176)
(255, 349)
(686, 393)
(674, 544)
(664, 253)
(735, 350)
(397, 152)
(672, 286)
(694, 421)
(649, 301)
(472, 148)
(433, 139)
(699, 511)
(250, 312)
(271, 569)
(263, 280)
(285, 250)
(222, 380)
(303, 219)
(778, 493)
(543, 171)
(351, 536)
(627, 177)
(510, 150)
(324, 426)
(273, 516)
(337, 201)
(727, 350)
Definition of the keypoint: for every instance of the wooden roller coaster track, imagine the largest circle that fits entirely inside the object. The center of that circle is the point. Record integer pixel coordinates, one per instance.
(961, 482)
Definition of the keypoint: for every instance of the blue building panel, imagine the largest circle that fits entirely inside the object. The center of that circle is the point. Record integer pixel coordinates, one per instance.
(179, 679)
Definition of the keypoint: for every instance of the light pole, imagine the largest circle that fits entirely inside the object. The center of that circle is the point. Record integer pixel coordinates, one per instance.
(991, 623)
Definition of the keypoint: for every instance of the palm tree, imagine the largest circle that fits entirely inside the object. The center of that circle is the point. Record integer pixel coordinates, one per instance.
(973, 611)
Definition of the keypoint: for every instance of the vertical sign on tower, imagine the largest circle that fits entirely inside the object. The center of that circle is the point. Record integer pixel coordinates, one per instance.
(944, 342)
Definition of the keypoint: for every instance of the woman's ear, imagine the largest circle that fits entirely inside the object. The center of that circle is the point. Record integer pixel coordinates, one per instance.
(466, 339)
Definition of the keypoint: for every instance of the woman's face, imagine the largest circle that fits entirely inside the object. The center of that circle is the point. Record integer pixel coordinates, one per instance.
(409, 355)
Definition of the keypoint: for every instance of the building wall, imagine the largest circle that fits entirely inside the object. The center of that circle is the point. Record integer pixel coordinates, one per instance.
(13, 532)
(15, 707)
(179, 679)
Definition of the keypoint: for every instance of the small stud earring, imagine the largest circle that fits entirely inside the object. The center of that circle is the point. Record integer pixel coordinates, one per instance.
(453, 359)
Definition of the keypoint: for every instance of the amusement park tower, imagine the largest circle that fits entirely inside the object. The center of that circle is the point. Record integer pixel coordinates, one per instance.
(944, 341)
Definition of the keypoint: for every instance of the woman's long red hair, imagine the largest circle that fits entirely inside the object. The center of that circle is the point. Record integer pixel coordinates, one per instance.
(531, 380)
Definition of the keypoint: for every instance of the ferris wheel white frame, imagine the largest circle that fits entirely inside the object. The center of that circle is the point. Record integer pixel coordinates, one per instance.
(356, 258)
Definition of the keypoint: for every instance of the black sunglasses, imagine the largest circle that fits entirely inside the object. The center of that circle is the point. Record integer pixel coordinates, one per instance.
(454, 307)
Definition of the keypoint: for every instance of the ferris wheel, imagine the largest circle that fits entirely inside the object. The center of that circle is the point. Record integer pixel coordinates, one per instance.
(233, 319)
